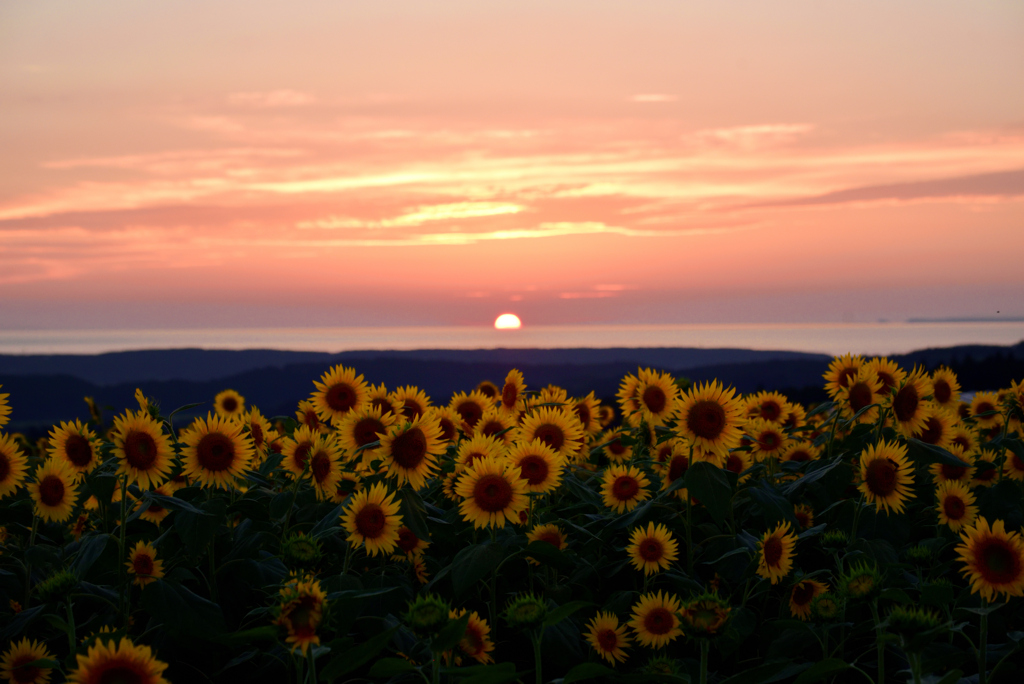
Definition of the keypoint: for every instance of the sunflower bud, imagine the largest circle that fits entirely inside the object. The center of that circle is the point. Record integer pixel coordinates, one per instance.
(427, 614)
(826, 607)
(705, 616)
(300, 551)
(834, 540)
(57, 586)
(526, 612)
(916, 627)
(861, 581)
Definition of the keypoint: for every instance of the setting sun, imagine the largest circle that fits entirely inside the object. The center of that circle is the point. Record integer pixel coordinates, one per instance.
(508, 321)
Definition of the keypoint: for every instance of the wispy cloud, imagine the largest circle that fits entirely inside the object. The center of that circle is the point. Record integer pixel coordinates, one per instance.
(272, 99)
(653, 98)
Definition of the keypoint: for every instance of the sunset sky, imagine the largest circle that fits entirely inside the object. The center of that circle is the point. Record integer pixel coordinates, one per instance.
(187, 164)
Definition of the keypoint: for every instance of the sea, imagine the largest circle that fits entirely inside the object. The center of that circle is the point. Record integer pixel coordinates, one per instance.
(827, 338)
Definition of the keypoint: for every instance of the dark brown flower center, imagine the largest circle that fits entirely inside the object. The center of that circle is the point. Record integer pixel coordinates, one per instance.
(881, 477)
(654, 399)
(625, 488)
(409, 448)
(551, 435)
(257, 435)
(448, 429)
(79, 450)
(906, 402)
(803, 593)
(773, 551)
(582, 412)
(320, 466)
(659, 621)
(341, 397)
(942, 391)
(491, 428)
(651, 550)
(229, 404)
(799, 455)
(706, 419)
(846, 375)
(365, 430)
(952, 472)
(860, 396)
(608, 640)
(678, 467)
(143, 564)
(5, 467)
(470, 412)
(998, 563)
(769, 441)
(534, 468)
(139, 449)
(215, 452)
(407, 540)
(932, 431)
(770, 410)
(370, 521)
(492, 493)
(551, 538)
(51, 491)
(954, 507)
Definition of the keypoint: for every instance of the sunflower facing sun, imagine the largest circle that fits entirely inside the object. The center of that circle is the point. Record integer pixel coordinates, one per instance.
(216, 451)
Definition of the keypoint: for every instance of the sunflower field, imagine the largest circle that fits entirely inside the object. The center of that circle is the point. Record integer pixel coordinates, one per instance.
(678, 533)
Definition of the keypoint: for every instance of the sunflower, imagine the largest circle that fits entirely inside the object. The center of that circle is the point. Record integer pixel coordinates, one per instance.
(550, 533)
(409, 544)
(229, 404)
(492, 492)
(373, 519)
(675, 469)
(886, 476)
(410, 451)
(907, 402)
(143, 564)
(122, 661)
(796, 417)
(937, 427)
(301, 611)
(494, 423)
(511, 399)
(840, 371)
(216, 452)
(993, 559)
(607, 637)
(411, 401)
(76, 444)
(156, 513)
(364, 426)
(705, 616)
(945, 472)
(768, 438)
(614, 448)
(325, 466)
(985, 410)
(655, 619)
(623, 487)
(955, 505)
(711, 417)
(888, 372)
(862, 390)
(475, 641)
(470, 408)
(260, 431)
(489, 390)
(479, 446)
(801, 596)
(964, 436)
(657, 396)
(985, 470)
(800, 452)
(347, 484)
(54, 490)
(13, 465)
(538, 464)
(770, 406)
(804, 514)
(557, 427)
(339, 391)
(588, 410)
(605, 415)
(14, 660)
(143, 451)
(945, 388)
(5, 409)
(652, 550)
(379, 397)
(306, 415)
(80, 526)
(296, 449)
(448, 420)
(777, 551)
(738, 462)
(1013, 467)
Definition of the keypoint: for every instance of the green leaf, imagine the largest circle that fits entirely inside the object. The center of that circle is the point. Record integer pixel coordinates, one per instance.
(708, 484)
(248, 636)
(547, 554)
(413, 512)
(951, 677)
(42, 663)
(935, 454)
(562, 612)
(89, 550)
(897, 595)
(820, 408)
(822, 669)
(494, 674)
(357, 656)
(391, 667)
(450, 635)
(329, 524)
(186, 407)
(769, 672)
(197, 530)
(19, 622)
(182, 611)
(586, 671)
(472, 564)
(172, 504)
(775, 507)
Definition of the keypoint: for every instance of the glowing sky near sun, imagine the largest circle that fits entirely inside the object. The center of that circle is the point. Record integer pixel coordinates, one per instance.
(250, 163)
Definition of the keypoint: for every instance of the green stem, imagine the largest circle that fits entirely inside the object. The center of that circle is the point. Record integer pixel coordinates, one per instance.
(689, 536)
(832, 436)
(915, 666)
(536, 639)
(435, 667)
(213, 573)
(121, 567)
(879, 643)
(28, 566)
(311, 657)
(295, 493)
(983, 646)
(856, 519)
(72, 636)
(705, 646)
(298, 670)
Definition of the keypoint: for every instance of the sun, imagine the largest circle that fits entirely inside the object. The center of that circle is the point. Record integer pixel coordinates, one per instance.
(507, 321)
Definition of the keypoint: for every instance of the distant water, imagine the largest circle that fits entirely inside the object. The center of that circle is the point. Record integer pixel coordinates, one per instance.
(828, 338)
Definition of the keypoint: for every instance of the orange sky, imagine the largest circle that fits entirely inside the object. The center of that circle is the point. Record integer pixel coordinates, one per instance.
(256, 163)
